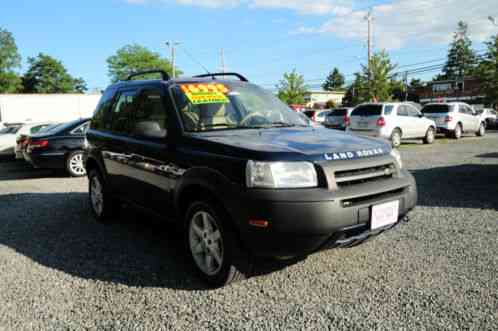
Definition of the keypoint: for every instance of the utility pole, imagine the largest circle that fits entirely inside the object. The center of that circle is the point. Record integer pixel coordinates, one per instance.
(172, 45)
(405, 79)
(222, 54)
(369, 20)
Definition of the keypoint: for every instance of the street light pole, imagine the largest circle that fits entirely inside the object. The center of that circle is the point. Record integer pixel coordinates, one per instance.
(172, 45)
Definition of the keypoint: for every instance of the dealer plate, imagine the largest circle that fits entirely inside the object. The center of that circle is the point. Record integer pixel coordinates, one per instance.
(384, 214)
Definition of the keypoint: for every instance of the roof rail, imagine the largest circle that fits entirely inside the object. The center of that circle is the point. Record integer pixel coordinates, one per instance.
(164, 74)
(217, 74)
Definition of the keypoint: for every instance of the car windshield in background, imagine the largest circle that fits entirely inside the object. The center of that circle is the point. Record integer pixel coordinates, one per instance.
(367, 110)
(339, 112)
(231, 106)
(434, 109)
(10, 129)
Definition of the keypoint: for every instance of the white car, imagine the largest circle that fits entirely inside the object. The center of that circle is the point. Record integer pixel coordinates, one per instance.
(488, 116)
(392, 121)
(8, 140)
(455, 118)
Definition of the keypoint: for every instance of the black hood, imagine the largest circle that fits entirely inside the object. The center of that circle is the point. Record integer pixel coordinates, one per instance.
(298, 143)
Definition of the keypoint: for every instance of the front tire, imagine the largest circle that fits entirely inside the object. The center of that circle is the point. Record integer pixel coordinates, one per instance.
(430, 136)
(482, 130)
(213, 246)
(74, 164)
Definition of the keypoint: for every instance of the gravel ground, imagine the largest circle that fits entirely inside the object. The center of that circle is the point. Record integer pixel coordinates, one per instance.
(61, 270)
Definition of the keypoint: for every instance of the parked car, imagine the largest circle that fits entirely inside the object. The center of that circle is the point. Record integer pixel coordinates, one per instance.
(488, 116)
(338, 118)
(393, 121)
(240, 172)
(60, 147)
(455, 118)
(317, 116)
(23, 135)
(12, 133)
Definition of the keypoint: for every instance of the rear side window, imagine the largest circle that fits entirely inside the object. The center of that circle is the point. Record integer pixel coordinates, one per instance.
(434, 109)
(388, 109)
(101, 115)
(367, 110)
(122, 112)
(150, 113)
(81, 130)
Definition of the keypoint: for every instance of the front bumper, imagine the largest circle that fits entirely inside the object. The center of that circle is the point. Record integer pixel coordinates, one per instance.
(304, 221)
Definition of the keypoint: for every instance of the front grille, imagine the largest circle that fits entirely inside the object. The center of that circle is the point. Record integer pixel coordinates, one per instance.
(364, 175)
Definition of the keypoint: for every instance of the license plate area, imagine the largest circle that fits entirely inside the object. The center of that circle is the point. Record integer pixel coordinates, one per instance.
(384, 214)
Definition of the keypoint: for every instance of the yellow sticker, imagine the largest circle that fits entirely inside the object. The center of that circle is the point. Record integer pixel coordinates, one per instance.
(199, 94)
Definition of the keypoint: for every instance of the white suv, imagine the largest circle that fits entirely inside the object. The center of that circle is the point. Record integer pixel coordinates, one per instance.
(455, 118)
(393, 121)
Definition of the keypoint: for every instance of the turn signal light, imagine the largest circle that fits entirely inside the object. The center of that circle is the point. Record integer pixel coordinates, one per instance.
(381, 122)
(259, 223)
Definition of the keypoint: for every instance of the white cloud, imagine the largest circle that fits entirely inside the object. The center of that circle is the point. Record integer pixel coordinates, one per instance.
(407, 21)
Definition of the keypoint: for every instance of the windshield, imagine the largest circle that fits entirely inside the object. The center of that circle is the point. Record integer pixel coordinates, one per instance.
(367, 110)
(234, 105)
(434, 109)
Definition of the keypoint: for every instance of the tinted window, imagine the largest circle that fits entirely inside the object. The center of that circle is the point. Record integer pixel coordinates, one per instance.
(434, 109)
(464, 109)
(367, 110)
(412, 112)
(37, 128)
(121, 113)
(100, 117)
(339, 112)
(388, 109)
(150, 113)
(323, 114)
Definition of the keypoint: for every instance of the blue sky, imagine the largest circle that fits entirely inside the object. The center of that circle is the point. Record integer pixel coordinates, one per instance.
(261, 38)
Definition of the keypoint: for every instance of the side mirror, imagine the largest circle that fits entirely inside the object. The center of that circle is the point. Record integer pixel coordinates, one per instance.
(421, 115)
(150, 129)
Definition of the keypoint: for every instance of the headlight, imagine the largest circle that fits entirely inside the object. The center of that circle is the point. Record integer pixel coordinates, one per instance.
(281, 174)
(397, 156)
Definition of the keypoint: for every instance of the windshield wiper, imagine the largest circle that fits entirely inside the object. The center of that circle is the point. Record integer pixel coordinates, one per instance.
(282, 124)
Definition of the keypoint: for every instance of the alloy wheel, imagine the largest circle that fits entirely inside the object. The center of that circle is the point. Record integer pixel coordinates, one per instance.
(76, 164)
(96, 195)
(206, 243)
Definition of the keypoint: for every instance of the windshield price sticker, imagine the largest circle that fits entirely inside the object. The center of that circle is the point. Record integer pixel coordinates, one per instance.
(199, 94)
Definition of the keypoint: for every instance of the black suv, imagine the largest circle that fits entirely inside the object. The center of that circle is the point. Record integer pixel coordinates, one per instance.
(243, 174)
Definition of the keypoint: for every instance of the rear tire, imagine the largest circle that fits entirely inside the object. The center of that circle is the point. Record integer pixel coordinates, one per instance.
(74, 164)
(457, 133)
(104, 207)
(396, 138)
(430, 136)
(482, 130)
(213, 246)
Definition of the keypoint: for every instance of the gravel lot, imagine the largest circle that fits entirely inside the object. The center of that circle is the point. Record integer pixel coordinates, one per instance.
(61, 270)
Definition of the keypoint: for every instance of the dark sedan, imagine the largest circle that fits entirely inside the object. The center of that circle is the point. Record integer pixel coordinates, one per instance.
(60, 147)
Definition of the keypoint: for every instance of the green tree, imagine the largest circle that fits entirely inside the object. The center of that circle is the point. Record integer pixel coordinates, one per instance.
(462, 59)
(357, 93)
(334, 81)
(381, 72)
(48, 75)
(415, 83)
(9, 61)
(488, 71)
(133, 58)
(292, 89)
